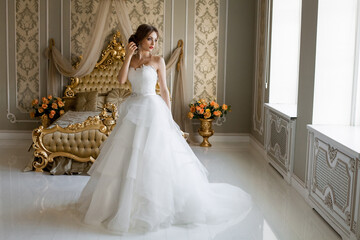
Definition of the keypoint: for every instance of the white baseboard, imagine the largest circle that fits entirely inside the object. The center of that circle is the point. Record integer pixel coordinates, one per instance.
(257, 146)
(15, 134)
(299, 186)
(224, 137)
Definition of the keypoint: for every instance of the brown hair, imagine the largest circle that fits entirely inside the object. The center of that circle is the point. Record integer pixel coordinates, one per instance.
(142, 32)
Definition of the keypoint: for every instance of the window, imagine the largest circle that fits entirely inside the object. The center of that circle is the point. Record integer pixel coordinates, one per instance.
(337, 64)
(285, 51)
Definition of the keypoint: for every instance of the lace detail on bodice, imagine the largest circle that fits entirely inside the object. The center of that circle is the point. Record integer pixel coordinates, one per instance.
(143, 80)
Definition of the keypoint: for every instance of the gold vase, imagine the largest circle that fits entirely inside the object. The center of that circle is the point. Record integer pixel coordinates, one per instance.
(45, 121)
(206, 131)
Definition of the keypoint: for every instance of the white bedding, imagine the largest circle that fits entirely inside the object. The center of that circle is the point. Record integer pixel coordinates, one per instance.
(72, 117)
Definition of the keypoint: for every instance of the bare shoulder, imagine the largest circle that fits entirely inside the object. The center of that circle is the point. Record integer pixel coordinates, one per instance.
(159, 61)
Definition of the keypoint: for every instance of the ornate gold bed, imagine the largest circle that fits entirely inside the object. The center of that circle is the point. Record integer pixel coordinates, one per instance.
(75, 138)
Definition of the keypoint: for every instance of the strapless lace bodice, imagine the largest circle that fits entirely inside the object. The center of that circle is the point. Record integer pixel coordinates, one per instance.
(143, 80)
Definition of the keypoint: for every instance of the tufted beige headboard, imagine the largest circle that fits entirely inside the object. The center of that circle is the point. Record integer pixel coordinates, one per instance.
(104, 76)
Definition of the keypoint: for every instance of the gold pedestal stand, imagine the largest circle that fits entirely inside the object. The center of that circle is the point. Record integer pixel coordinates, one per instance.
(206, 131)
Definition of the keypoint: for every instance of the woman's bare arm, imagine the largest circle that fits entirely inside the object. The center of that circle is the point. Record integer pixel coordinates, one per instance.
(164, 92)
(129, 52)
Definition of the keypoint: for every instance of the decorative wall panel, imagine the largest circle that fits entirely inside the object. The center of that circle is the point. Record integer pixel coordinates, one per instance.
(334, 179)
(27, 53)
(149, 12)
(280, 141)
(206, 48)
(260, 66)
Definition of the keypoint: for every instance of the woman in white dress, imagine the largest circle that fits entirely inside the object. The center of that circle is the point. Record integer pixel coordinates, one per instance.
(146, 175)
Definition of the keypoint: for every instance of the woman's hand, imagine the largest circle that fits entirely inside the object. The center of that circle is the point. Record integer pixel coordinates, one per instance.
(124, 70)
(130, 49)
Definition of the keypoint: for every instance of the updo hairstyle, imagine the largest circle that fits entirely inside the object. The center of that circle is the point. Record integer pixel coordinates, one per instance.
(142, 32)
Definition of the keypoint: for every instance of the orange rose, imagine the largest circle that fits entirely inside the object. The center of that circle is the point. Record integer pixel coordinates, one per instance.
(52, 112)
(49, 97)
(201, 111)
(212, 103)
(51, 115)
(35, 102)
(44, 99)
(62, 112)
(198, 108)
(207, 115)
(192, 109)
(217, 113)
(54, 106)
(44, 106)
(224, 107)
(202, 105)
(216, 105)
(40, 110)
(190, 115)
(61, 104)
(32, 114)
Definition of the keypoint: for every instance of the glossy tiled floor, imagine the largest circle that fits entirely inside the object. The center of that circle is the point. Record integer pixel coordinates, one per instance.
(279, 212)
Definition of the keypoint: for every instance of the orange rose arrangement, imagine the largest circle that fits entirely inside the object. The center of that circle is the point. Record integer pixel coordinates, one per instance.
(204, 110)
(52, 107)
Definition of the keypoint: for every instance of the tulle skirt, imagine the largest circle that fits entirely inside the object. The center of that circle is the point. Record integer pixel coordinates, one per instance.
(146, 176)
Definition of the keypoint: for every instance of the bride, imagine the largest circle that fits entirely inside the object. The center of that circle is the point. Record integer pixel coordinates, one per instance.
(146, 176)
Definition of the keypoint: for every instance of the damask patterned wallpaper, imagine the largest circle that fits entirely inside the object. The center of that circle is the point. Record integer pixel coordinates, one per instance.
(206, 48)
(150, 12)
(27, 53)
(83, 17)
(82, 20)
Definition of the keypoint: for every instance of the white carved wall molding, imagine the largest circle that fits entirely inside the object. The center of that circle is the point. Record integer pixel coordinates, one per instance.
(280, 138)
(261, 64)
(333, 176)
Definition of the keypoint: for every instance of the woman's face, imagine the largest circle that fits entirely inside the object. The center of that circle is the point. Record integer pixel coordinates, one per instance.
(148, 44)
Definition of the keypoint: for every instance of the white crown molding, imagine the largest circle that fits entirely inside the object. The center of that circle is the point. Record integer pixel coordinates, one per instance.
(260, 130)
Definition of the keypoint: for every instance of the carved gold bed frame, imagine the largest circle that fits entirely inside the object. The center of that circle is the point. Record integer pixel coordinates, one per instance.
(69, 141)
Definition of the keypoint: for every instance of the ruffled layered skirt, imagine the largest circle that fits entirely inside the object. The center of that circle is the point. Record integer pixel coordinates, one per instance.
(147, 176)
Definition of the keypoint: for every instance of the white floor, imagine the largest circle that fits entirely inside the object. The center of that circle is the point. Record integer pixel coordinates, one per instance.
(279, 212)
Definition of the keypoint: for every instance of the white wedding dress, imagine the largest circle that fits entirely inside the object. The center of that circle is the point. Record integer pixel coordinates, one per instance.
(147, 176)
